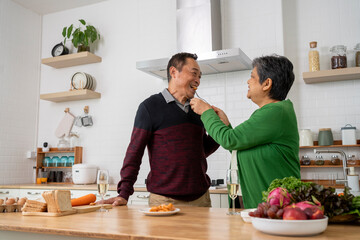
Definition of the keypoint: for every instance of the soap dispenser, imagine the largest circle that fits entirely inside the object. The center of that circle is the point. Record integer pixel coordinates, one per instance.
(353, 180)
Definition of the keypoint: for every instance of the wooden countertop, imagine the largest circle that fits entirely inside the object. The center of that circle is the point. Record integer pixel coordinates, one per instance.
(89, 187)
(126, 222)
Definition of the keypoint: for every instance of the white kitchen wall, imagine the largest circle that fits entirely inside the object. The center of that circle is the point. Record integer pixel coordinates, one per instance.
(20, 40)
(142, 29)
(130, 31)
(323, 105)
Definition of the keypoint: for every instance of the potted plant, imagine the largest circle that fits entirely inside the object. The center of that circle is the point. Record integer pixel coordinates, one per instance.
(81, 38)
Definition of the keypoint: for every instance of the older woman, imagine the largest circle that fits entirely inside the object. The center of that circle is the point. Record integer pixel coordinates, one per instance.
(267, 143)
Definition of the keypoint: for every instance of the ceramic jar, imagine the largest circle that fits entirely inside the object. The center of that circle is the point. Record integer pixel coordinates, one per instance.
(325, 137)
(306, 138)
(348, 135)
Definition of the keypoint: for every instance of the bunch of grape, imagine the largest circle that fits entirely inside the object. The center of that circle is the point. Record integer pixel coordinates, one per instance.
(265, 210)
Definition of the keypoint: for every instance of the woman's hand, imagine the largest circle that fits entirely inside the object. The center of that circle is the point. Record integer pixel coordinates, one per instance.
(199, 106)
(221, 115)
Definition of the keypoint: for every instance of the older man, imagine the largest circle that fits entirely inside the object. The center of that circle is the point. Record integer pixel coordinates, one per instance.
(176, 140)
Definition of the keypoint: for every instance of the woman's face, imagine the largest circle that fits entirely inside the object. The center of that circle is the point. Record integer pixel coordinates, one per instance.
(255, 89)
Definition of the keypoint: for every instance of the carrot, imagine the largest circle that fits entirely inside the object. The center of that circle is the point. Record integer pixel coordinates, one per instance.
(84, 200)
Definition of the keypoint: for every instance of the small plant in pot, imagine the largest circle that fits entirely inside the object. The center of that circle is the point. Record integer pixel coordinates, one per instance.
(81, 38)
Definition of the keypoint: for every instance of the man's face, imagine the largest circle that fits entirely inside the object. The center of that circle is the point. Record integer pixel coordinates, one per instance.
(188, 79)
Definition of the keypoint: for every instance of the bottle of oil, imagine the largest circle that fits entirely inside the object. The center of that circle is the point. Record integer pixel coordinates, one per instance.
(314, 59)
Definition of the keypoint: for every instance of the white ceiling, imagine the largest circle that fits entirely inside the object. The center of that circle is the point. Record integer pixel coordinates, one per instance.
(43, 7)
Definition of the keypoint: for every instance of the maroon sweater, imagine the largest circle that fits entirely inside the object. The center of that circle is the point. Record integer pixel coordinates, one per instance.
(177, 145)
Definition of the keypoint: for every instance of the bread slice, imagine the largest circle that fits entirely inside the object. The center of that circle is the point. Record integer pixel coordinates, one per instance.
(49, 197)
(58, 200)
(31, 209)
(63, 200)
(35, 203)
(34, 206)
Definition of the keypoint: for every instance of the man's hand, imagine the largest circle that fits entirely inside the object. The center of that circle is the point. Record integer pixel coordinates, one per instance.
(115, 201)
(199, 106)
(221, 115)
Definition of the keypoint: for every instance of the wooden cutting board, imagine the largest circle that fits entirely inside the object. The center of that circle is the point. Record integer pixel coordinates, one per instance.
(49, 214)
(90, 208)
(77, 209)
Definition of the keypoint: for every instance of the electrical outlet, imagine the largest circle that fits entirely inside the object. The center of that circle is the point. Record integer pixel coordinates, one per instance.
(31, 155)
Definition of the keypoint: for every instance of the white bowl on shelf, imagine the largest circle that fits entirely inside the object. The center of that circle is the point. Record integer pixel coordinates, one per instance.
(290, 227)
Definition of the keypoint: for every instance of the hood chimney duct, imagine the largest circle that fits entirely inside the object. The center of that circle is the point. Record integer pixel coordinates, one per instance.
(198, 25)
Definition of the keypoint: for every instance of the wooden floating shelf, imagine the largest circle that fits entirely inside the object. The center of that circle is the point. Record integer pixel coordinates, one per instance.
(70, 60)
(70, 96)
(56, 167)
(337, 144)
(327, 166)
(332, 75)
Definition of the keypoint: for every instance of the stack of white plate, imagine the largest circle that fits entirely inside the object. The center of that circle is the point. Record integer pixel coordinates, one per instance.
(82, 80)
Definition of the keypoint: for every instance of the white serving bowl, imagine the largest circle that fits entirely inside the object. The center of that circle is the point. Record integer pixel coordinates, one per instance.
(290, 227)
(245, 214)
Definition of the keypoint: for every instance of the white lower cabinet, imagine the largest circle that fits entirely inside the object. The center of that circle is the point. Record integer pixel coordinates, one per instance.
(224, 199)
(215, 200)
(139, 198)
(142, 198)
(32, 193)
(9, 193)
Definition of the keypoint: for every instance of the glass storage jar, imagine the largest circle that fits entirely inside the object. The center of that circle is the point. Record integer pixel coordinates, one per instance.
(338, 57)
(305, 160)
(357, 55)
(335, 160)
(314, 62)
(351, 160)
(63, 145)
(319, 160)
(55, 160)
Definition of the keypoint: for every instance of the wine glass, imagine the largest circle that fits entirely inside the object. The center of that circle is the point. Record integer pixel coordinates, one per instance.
(103, 186)
(233, 185)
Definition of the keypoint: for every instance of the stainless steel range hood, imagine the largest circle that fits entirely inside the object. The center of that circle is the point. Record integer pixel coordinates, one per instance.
(199, 31)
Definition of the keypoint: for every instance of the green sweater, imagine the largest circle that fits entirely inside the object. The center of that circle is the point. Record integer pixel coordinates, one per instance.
(267, 145)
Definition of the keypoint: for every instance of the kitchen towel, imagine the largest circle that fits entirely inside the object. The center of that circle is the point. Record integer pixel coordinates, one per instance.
(65, 125)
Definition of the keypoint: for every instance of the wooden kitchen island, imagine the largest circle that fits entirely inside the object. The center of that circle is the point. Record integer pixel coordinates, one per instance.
(126, 222)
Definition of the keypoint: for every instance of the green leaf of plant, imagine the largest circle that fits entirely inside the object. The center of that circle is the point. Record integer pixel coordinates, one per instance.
(76, 37)
(82, 21)
(64, 31)
(69, 31)
(75, 41)
(82, 39)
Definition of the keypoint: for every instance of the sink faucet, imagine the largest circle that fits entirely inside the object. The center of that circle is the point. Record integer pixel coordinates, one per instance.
(345, 181)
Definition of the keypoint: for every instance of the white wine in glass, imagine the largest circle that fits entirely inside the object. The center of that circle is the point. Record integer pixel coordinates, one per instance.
(103, 186)
(233, 185)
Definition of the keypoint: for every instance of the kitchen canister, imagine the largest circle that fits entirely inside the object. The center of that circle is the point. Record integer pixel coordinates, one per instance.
(306, 138)
(353, 180)
(348, 135)
(325, 137)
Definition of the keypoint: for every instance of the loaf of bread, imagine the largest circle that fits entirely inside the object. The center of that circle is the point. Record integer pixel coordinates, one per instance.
(58, 200)
(63, 200)
(49, 197)
(34, 206)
